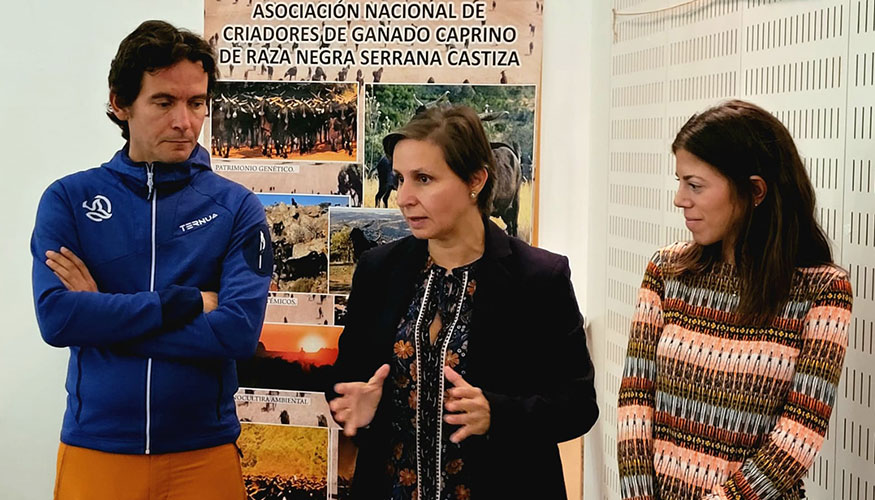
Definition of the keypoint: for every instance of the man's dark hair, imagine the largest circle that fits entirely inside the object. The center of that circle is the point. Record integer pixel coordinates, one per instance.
(152, 46)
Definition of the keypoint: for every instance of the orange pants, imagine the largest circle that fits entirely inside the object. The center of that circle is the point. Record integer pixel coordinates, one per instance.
(208, 474)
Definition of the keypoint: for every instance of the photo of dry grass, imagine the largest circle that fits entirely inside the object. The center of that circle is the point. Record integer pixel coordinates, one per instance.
(280, 461)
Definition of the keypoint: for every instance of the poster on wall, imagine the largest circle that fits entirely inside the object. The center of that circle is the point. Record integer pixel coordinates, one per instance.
(307, 91)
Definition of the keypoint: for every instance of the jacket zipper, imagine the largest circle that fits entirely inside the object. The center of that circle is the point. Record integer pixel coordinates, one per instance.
(150, 183)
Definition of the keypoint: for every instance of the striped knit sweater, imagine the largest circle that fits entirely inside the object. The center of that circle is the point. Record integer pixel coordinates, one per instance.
(712, 409)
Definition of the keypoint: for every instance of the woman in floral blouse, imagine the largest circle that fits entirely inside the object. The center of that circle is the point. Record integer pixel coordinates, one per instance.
(463, 361)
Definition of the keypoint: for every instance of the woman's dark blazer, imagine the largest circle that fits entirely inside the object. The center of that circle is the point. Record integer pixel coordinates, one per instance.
(527, 352)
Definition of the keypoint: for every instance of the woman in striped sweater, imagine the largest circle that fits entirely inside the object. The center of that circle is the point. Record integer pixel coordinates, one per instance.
(738, 338)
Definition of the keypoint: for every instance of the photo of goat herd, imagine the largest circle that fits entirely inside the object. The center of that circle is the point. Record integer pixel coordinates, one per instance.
(299, 121)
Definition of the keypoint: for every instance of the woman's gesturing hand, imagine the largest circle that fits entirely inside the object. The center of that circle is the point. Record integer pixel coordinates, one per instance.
(358, 401)
(472, 406)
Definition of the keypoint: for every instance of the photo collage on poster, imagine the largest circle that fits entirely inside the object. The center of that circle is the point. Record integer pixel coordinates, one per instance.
(306, 138)
(295, 145)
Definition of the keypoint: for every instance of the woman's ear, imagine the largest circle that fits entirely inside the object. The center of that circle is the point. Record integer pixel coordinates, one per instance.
(759, 188)
(478, 180)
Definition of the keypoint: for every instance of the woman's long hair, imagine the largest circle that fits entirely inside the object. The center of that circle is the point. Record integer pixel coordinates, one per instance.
(771, 240)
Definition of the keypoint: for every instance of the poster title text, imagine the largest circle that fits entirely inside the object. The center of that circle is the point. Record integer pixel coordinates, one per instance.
(349, 33)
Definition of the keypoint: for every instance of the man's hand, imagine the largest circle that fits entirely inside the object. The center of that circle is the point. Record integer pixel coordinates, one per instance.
(211, 301)
(358, 401)
(70, 270)
(470, 407)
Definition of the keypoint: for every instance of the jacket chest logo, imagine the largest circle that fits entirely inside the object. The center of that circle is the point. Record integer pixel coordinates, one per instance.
(188, 226)
(99, 210)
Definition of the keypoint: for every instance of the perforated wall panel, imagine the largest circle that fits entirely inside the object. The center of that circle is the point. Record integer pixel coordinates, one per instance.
(810, 63)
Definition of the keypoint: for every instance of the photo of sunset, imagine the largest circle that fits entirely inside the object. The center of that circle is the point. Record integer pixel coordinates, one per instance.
(304, 344)
(291, 357)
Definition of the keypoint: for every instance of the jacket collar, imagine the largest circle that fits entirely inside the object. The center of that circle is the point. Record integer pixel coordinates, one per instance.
(494, 271)
(495, 253)
(166, 177)
(497, 241)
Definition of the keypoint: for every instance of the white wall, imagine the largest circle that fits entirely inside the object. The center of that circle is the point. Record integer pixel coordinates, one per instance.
(55, 58)
(577, 41)
(573, 202)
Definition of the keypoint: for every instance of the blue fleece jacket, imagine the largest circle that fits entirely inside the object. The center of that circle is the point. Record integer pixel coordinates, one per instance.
(149, 372)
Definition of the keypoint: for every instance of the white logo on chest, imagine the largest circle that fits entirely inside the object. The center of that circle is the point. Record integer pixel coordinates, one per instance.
(99, 210)
(188, 226)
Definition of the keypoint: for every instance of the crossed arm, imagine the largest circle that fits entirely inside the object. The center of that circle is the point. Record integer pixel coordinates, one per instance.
(169, 323)
(74, 275)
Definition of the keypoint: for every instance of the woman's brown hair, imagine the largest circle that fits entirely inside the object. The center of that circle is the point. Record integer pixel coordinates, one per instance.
(772, 239)
(458, 131)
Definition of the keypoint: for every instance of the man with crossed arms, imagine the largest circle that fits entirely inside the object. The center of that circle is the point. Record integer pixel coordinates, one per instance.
(154, 271)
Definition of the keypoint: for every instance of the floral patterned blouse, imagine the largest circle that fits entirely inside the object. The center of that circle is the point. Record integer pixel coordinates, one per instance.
(425, 464)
